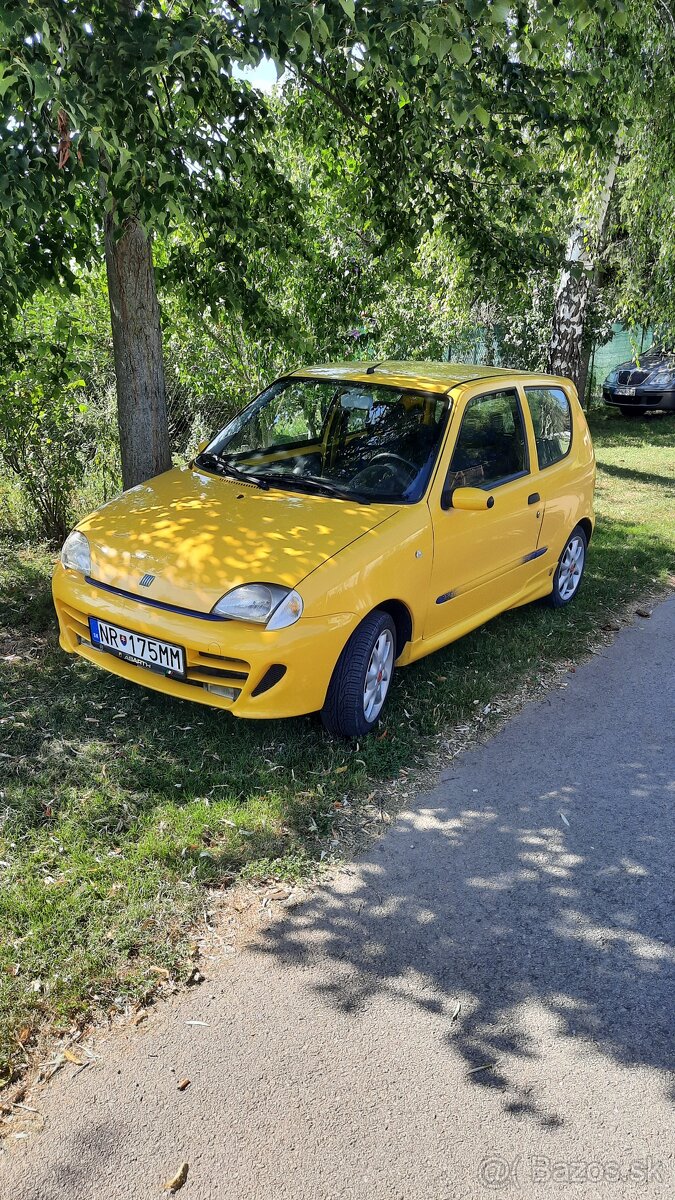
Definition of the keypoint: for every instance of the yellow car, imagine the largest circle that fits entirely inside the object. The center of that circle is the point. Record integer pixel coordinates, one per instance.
(352, 518)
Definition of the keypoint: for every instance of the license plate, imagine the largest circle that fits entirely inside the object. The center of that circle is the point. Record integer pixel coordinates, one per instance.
(625, 391)
(136, 648)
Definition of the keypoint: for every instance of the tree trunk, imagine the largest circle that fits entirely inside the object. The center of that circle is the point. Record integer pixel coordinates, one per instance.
(584, 364)
(574, 287)
(137, 347)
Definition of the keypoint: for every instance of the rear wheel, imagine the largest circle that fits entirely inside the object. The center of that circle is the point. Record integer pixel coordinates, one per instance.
(362, 677)
(570, 569)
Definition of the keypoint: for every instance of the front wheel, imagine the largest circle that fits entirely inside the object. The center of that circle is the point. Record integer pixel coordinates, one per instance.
(362, 677)
(630, 412)
(570, 569)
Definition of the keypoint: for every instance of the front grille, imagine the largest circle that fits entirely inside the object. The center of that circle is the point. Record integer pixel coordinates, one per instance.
(230, 670)
(633, 377)
(76, 621)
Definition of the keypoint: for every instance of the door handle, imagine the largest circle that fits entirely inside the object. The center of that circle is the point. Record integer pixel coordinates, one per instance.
(533, 498)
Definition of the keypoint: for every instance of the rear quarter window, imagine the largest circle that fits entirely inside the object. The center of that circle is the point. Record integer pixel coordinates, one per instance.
(552, 420)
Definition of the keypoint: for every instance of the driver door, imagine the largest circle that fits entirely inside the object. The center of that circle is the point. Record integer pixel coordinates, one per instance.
(481, 558)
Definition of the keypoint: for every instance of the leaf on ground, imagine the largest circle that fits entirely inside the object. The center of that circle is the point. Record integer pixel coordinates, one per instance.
(564, 818)
(173, 1185)
(183, 1085)
(280, 893)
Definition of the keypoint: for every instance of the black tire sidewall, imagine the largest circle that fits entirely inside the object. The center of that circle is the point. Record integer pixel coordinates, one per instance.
(342, 712)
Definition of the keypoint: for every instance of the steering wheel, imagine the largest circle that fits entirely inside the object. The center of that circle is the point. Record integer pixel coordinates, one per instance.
(386, 465)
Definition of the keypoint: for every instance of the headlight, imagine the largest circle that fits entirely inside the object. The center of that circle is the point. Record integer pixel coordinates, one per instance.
(264, 603)
(75, 553)
(662, 377)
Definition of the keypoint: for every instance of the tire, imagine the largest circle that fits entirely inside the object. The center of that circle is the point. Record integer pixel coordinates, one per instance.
(347, 710)
(570, 569)
(630, 412)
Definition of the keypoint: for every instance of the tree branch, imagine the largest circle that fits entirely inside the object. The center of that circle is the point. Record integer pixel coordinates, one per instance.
(339, 104)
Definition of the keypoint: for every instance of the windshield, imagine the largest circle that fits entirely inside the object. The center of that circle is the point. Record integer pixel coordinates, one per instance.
(349, 440)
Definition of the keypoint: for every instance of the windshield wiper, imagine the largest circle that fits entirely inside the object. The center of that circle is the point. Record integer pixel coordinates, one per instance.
(224, 467)
(310, 483)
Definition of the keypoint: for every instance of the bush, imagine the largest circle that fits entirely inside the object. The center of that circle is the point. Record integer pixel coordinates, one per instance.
(54, 376)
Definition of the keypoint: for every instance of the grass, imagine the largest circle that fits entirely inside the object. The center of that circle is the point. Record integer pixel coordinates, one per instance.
(118, 807)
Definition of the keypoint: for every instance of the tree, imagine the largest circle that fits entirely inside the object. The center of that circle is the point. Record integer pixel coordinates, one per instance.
(622, 192)
(565, 352)
(132, 119)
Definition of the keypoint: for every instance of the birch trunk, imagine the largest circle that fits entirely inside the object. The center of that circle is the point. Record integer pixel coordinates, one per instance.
(574, 287)
(137, 348)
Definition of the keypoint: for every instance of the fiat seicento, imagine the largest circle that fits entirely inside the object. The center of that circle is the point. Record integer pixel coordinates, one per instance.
(350, 520)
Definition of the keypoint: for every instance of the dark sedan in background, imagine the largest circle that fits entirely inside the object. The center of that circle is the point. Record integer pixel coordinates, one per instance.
(644, 385)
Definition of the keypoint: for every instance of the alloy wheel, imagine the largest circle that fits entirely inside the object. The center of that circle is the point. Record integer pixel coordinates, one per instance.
(571, 567)
(378, 675)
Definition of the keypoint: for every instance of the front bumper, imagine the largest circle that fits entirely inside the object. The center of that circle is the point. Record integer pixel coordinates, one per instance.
(644, 400)
(229, 654)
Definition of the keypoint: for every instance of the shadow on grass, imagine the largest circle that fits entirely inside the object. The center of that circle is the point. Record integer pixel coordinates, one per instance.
(25, 591)
(611, 430)
(643, 477)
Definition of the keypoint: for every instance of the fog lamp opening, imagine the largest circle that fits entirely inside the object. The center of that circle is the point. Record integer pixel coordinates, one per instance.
(227, 693)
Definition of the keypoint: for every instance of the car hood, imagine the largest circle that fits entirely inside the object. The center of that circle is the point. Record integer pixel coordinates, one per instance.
(632, 373)
(200, 535)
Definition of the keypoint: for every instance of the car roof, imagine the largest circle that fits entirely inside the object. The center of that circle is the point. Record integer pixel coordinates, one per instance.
(432, 376)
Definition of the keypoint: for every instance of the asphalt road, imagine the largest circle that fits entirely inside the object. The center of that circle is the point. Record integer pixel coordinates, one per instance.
(533, 887)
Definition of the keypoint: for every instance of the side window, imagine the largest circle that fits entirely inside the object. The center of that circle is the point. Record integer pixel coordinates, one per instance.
(491, 444)
(552, 420)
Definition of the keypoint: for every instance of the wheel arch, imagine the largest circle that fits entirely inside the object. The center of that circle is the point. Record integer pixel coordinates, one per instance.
(403, 623)
(587, 525)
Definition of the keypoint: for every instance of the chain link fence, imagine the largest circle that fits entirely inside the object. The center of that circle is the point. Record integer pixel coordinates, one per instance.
(623, 345)
(485, 346)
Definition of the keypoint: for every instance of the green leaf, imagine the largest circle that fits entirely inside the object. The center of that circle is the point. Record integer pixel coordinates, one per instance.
(6, 82)
(499, 12)
(461, 52)
(302, 39)
(211, 59)
(348, 6)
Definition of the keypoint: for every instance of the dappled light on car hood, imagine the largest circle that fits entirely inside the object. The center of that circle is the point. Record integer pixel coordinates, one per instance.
(201, 534)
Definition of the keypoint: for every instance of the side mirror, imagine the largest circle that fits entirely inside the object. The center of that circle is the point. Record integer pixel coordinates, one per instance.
(471, 499)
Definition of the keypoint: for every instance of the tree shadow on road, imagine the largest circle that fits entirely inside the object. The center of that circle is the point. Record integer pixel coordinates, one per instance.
(548, 904)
